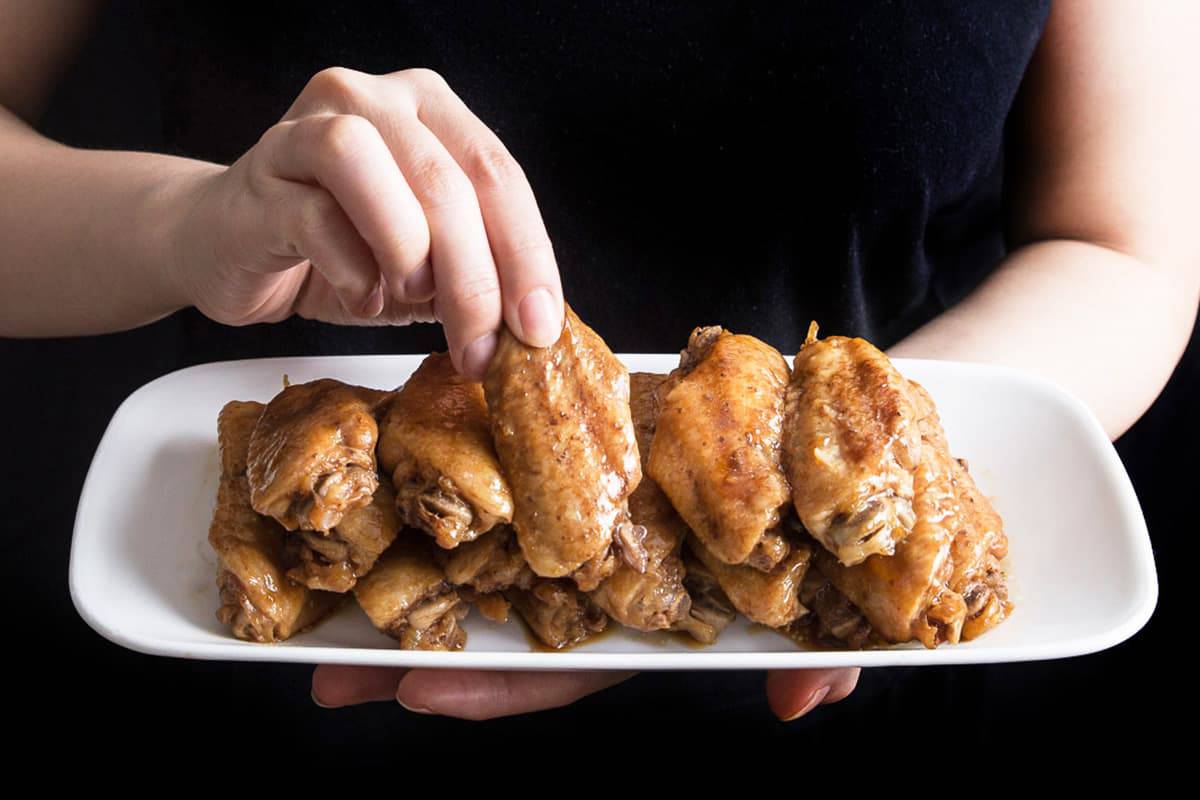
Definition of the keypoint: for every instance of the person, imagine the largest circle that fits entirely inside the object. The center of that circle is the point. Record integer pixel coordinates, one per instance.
(955, 182)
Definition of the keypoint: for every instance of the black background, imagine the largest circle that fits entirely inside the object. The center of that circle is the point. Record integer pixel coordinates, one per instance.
(65, 680)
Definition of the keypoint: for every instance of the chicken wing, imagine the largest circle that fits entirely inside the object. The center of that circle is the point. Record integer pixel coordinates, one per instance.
(334, 562)
(557, 613)
(312, 455)
(768, 598)
(978, 547)
(851, 447)
(979, 539)
(834, 617)
(258, 602)
(716, 451)
(436, 444)
(653, 598)
(562, 428)
(710, 611)
(486, 567)
(407, 597)
(907, 595)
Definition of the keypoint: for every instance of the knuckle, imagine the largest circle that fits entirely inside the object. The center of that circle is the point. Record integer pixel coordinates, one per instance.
(334, 83)
(439, 183)
(424, 79)
(341, 136)
(532, 248)
(472, 293)
(491, 165)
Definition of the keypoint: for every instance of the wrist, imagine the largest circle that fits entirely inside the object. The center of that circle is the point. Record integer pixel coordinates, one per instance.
(176, 211)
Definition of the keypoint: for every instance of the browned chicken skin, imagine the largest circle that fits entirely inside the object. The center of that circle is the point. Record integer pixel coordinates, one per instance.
(851, 446)
(768, 598)
(907, 595)
(335, 561)
(562, 428)
(408, 597)
(312, 455)
(716, 452)
(436, 443)
(258, 602)
(652, 598)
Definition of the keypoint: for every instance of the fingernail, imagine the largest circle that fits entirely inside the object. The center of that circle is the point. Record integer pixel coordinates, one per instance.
(414, 709)
(813, 702)
(478, 355)
(419, 285)
(317, 701)
(540, 320)
(374, 303)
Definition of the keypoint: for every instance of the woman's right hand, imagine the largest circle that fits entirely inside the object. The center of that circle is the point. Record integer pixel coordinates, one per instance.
(375, 200)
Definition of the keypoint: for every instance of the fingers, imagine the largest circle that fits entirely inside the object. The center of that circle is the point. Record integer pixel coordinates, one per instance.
(477, 694)
(529, 278)
(334, 686)
(490, 257)
(309, 223)
(345, 155)
(794, 693)
(468, 291)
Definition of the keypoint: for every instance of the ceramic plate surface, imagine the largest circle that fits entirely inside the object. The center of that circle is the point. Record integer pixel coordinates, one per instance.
(1080, 565)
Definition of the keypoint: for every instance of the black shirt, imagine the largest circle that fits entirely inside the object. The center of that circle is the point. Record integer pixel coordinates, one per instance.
(707, 163)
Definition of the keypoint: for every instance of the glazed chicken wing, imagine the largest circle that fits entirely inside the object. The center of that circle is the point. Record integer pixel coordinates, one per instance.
(258, 602)
(558, 613)
(710, 611)
(486, 567)
(979, 539)
(978, 547)
(652, 598)
(851, 446)
(436, 444)
(408, 597)
(312, 455)
(768, 598)
(716, 451)
(834, 617)
(335, 561)
(562, 429)
(907, 595)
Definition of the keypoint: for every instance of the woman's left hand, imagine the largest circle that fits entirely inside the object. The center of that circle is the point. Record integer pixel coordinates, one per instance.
(478, 694)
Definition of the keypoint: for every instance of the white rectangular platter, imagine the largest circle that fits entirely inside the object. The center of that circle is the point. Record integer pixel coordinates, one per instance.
(1080, 564)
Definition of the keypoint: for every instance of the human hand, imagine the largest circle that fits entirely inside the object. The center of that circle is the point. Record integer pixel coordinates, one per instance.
(376, 200)
(477, 694)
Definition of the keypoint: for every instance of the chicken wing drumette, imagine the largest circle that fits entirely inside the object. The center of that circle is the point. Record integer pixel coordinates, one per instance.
(562, 428)
(436, 444)
(652, 598)
(258, 602)
(716, 450)
(408, 597)
(312, 454)
(334, 561)
(851, 447)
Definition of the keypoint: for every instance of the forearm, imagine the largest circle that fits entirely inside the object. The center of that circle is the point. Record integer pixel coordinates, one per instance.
(86, 237)
(1104, 325)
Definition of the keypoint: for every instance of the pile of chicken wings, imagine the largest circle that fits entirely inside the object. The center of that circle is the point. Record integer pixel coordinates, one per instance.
(821, 501)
